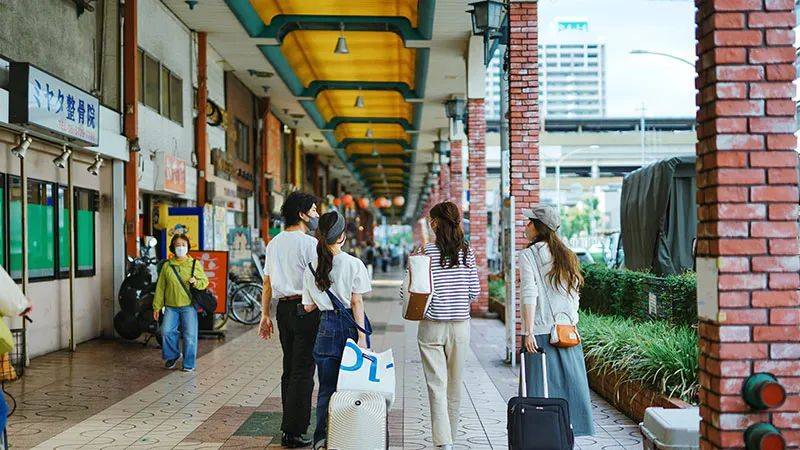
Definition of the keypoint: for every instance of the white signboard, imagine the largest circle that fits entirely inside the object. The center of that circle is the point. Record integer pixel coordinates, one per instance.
(652, 304)
(40, 99)
(707, 289)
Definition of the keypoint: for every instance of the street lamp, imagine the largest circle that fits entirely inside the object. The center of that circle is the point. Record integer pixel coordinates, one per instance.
(442, 149)
(666, 55)
(558, 171)
(487, 17)
(455, 107)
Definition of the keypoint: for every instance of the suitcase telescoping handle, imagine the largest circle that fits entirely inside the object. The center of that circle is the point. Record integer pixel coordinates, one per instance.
(524, 380)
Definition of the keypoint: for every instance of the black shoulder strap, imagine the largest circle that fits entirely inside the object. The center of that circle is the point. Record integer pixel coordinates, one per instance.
(178, 276)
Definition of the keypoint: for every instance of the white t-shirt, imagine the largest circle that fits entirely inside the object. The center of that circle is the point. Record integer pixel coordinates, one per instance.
(349, 276)
(288, 254)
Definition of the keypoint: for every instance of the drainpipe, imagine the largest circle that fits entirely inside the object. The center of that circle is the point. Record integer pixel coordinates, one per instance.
(201, 127)
(130, 61)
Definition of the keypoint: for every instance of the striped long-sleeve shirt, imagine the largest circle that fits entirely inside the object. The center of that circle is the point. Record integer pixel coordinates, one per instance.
(454, 288)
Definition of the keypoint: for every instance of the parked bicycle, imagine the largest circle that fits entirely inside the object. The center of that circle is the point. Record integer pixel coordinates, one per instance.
(244, 301)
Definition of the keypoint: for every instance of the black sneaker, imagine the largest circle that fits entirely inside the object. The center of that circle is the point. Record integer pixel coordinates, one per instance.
(294, 441)
(171, 363)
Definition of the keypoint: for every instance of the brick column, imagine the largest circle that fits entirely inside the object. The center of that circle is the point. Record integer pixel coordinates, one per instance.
(477, 197)
(444, 185)
(747, 198)
(523, 112)
(456, 173)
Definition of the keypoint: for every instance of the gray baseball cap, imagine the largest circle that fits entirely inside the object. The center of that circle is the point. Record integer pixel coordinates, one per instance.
(546, 214)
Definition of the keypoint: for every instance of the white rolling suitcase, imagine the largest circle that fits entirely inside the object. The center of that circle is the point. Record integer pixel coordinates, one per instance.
(357, 421)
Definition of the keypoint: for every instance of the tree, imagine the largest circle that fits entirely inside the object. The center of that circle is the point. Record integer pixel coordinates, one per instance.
(584, 216)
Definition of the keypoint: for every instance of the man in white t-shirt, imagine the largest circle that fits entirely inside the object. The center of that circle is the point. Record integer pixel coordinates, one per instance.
(287, 256)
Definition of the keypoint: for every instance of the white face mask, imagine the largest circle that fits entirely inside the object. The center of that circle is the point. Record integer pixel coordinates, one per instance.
(181, 251)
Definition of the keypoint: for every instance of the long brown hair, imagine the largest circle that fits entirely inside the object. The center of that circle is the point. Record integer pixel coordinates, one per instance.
(449, 234)
(324, 254)
(566, 269)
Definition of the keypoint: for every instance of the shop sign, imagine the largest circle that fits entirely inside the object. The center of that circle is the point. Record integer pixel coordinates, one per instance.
(46, 102)
(215, 265)
(221, 190)
(223, 166)
(174, 174)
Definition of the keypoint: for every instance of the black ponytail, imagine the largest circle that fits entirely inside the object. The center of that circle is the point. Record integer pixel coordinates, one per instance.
(324, 255)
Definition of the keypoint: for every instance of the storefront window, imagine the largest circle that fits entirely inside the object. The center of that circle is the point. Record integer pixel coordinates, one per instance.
(63, 231)
(41, 228)
(86, 206)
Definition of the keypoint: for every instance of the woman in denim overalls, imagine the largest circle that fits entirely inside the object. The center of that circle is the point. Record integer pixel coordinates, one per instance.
(335, 284)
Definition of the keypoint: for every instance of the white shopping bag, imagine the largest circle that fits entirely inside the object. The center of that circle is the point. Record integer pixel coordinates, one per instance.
(365, 370)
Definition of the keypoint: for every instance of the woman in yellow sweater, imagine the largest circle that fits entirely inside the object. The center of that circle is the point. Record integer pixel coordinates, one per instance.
(172, 293)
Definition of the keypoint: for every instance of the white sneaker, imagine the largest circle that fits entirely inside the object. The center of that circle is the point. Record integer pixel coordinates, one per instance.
(446, 447)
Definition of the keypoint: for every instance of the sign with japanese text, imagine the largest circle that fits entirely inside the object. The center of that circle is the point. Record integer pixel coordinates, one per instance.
(174, 174)
(215, 265)
(42, 100)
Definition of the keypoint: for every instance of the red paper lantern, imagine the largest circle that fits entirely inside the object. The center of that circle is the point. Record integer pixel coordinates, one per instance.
(347, 199)
(336, 202)
(399, 201)
(380, 202)
(363, 203)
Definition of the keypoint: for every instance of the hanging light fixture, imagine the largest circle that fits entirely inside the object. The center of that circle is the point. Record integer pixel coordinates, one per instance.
(61, 161)
(374, 152)
(359, 101)
(191, 3)
(369, 133)
(94, 169)
(341, 43)
(20, 149)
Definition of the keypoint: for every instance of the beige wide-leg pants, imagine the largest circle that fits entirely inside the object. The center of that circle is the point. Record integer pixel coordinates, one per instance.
(443, 347)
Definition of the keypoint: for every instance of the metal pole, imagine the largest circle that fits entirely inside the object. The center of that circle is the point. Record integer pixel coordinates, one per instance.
(558, 185)
(71, 232)
(505, 160)
(511, 286)
(641, 133)
(23, 179)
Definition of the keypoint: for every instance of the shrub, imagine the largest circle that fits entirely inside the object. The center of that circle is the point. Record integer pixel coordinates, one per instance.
(497, 290)
(656, 353)
(626, 293)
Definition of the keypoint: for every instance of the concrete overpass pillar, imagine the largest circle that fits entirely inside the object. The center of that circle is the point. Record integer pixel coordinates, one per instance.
(523, 112)
(747, 210)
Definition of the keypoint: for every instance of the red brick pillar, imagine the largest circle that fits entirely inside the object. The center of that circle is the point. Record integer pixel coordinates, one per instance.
(444, 184)
(747, 196)
(476, 170)
(523, 111)
(456, 173)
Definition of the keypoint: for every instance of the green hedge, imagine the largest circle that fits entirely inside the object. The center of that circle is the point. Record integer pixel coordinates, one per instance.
(655, 353)
(497, 290)
(626, 293)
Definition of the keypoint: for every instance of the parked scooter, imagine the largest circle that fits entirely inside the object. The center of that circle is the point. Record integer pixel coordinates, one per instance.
(136, 298)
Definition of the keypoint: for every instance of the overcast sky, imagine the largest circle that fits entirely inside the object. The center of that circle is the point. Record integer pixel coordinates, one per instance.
(665, 86)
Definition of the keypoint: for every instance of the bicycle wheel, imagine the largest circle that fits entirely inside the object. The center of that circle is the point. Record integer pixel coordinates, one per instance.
(246, 304)
(220, 320)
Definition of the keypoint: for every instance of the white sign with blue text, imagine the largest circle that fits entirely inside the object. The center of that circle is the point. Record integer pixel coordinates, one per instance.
(44, 101)
(364, 370)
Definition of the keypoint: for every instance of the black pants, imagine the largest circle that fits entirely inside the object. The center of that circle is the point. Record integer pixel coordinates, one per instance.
(297, 334)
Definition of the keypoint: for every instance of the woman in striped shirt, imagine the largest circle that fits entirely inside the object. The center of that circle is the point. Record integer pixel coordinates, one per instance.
(443, 336)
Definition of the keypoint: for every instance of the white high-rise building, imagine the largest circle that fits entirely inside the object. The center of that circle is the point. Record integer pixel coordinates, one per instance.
(571, 75)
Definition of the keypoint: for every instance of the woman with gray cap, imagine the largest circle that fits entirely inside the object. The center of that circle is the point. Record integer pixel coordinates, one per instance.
(347, 278)
(550, 282)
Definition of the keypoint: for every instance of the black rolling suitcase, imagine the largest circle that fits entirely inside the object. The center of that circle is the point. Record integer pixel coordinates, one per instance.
(538, 423)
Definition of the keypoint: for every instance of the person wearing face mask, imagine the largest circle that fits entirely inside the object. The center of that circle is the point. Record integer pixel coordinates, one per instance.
(174, 279)
(287, 256)
(347, 277)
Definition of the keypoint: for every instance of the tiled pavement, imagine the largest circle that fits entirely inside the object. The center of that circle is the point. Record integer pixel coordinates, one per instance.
(233, 400)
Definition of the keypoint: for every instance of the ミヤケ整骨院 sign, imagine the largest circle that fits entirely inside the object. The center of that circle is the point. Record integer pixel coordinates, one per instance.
(41, 100)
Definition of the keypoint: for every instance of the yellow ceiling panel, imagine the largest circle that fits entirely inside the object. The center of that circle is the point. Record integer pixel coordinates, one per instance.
(383, 104)
(374, 56)
(379, 131)
(267, 9)
(386, 161)
(382, 149)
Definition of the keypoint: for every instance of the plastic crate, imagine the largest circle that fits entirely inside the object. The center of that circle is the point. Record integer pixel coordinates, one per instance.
(671, 429)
